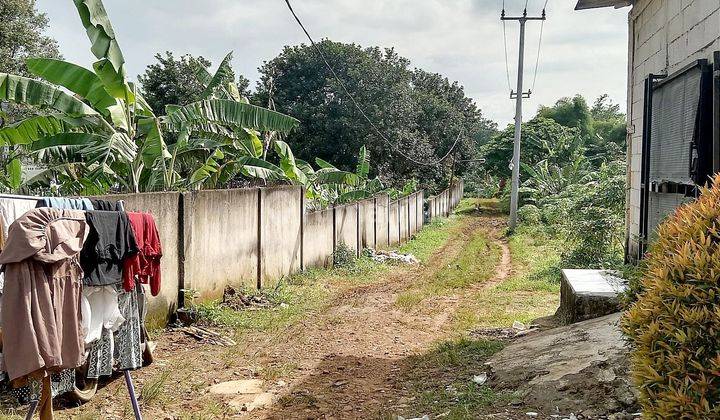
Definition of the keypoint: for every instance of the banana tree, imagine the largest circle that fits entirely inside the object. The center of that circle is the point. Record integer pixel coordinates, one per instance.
(102, 134)
(338, 186)
(223, 129)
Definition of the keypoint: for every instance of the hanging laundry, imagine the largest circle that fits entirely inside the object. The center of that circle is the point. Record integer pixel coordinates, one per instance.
(103, 311)
(42, 318)
(66, 203)
(100, 204)
(109, 243)
(12, 208)
(145, 265)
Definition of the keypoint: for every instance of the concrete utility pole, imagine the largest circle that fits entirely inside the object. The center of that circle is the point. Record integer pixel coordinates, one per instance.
(518, 96)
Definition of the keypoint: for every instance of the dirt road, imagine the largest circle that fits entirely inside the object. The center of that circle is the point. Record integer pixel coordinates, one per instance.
(344, 361)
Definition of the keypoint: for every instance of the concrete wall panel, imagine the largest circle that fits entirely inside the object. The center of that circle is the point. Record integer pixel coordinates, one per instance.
(382, 204)
(394, 222)
(412, 214)
(221, 240)
(281, 233)
(366, 223)
(165, 209)
(346, 226)
(318, 239)
(420, 208)
(403, 219)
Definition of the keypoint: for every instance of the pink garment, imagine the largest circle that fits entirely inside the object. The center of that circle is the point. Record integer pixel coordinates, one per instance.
(41, 317)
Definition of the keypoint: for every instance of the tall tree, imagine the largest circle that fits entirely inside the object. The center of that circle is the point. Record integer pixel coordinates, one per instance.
(419, 113)
(174, 81)
(22, 35)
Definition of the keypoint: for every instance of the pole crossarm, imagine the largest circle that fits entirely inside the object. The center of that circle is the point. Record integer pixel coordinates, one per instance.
(525, 95)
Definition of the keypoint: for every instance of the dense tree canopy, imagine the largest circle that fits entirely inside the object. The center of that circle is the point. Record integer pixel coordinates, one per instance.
(173, 81)
(420, 114)
(22, 36)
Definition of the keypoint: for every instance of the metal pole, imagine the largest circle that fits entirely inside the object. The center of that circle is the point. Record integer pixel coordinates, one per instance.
(518, 131)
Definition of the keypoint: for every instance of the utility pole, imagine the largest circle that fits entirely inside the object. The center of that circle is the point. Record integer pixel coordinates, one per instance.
(518, 95)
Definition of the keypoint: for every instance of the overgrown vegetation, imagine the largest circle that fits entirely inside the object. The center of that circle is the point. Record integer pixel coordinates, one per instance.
(573, 178)
(674, 324)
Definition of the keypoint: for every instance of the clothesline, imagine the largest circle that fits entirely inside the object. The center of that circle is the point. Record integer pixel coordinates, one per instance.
(20, 197)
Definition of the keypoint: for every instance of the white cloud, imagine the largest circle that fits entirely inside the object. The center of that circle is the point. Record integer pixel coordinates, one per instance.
(583, 52)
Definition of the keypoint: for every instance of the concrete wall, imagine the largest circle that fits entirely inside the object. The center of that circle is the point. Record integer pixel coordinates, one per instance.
(281, 211)
(412, 214)
(366, 223)
(420, 216)
(664, 37)
(165, 209)
(346, 226)
(382, 204)
(318, 239)
(220, 240)
(394, 223)
(254, 237)
(403, 219)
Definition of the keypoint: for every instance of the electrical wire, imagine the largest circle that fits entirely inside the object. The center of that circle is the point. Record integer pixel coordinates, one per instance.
(352, 99)
(507, 65)
(537, 59)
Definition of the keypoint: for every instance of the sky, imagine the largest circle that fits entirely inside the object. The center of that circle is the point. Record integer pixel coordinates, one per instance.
(582, 52)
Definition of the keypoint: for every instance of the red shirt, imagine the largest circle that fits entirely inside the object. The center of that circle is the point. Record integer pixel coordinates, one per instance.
(145, 265)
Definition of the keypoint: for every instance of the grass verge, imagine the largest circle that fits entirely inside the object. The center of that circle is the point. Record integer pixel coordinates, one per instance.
(530, 292)
(440, 382)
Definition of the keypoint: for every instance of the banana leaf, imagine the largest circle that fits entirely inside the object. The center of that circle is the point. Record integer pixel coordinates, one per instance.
(261, 169)
(231, 113)
(287, 163)
(324, 164)
(23, 90)
(223, 73)
(363, 163)
(111, 65)
(337, 177)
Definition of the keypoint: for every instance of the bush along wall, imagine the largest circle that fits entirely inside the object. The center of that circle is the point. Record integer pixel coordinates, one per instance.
(675, 324)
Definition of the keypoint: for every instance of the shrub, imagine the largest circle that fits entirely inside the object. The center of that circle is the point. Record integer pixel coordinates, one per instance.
(344, 256)
(675, 324)
(529, 214)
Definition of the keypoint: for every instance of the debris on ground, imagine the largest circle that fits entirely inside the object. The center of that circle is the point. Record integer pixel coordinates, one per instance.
(481, 378)
(381, 256)
(239, 300)
(207, 335)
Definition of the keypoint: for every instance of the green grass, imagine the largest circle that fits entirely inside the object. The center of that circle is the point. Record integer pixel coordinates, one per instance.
(440, 381)
(531, 291)
(475, 264)
(429, 239)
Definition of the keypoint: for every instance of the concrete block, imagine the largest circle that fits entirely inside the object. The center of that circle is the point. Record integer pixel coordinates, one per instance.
(394, 223)
(587, 294)
(346, 226)
(221, 240)
(281, 211)
(366, 223)
(165, 208)
(318, 239)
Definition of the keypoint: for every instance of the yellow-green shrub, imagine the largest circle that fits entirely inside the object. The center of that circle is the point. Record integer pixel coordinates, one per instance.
(675, 324)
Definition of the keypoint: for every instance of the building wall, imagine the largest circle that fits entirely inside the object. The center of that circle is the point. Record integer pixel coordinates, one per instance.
(664, 37)
(394, 222)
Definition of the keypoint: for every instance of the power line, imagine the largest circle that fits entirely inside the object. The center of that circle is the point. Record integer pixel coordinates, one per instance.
(507, 65)
(352, 99)
(537, 59)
